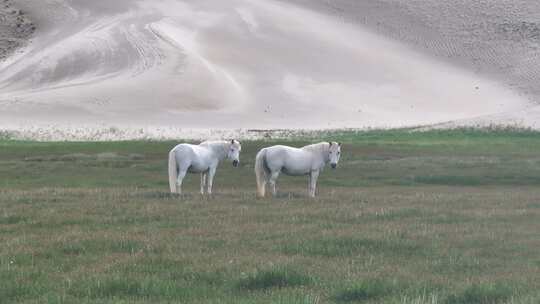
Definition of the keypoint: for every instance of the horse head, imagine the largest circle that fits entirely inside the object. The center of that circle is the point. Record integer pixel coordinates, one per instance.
(234, 152)
(334, 153)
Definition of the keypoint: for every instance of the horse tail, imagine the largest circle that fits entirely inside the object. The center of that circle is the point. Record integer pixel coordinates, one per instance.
(173, 171)
(261, 172)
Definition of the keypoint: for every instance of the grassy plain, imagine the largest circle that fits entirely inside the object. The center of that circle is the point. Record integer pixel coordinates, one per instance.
(409, 217)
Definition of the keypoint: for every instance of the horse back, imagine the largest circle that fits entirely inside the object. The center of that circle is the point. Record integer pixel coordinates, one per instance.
(195, 157)
(289, 160)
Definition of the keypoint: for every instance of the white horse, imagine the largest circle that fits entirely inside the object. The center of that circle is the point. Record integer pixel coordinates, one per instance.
(309, 160)
(203, 159)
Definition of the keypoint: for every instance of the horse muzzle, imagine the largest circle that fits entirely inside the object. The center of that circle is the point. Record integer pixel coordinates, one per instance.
(333, 166)
(235, 163)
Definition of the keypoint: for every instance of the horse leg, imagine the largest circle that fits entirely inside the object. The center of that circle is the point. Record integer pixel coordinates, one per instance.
(309, 184)
(211, 174)
(272, 181)
(313, 182)
(179, 180)
(203, 182)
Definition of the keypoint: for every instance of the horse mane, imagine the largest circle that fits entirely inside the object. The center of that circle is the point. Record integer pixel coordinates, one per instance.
(218, 146)
(322, 147)
(213, 142)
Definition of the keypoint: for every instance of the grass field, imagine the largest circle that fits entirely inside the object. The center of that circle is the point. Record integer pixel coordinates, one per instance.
(434, 217)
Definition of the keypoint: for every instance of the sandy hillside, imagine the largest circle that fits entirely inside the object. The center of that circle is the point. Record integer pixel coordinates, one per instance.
(497, 39)
(208, 64)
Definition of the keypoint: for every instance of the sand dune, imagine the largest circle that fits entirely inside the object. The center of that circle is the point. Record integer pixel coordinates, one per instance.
(495, 38)
(240, 64)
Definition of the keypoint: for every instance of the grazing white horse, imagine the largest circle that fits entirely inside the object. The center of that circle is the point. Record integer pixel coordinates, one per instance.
(309, 160)
(203, 159)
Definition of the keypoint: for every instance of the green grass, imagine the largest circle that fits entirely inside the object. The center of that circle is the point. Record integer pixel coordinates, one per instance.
(152, 289)
(408, 217)
(346, 246)
(482, 294)
(276, 277)
(366, 290)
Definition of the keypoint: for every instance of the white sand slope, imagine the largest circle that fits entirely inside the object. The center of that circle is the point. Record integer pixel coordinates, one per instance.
(227, 65)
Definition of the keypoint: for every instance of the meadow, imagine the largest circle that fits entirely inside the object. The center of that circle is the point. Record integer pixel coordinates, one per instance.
(448, 217)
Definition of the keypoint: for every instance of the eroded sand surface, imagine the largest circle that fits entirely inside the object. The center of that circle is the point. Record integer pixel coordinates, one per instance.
(15, 28)
(240, 64)
(498, 38)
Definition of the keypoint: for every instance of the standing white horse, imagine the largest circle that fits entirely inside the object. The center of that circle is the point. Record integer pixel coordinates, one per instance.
(309, 160)
(203, 159)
